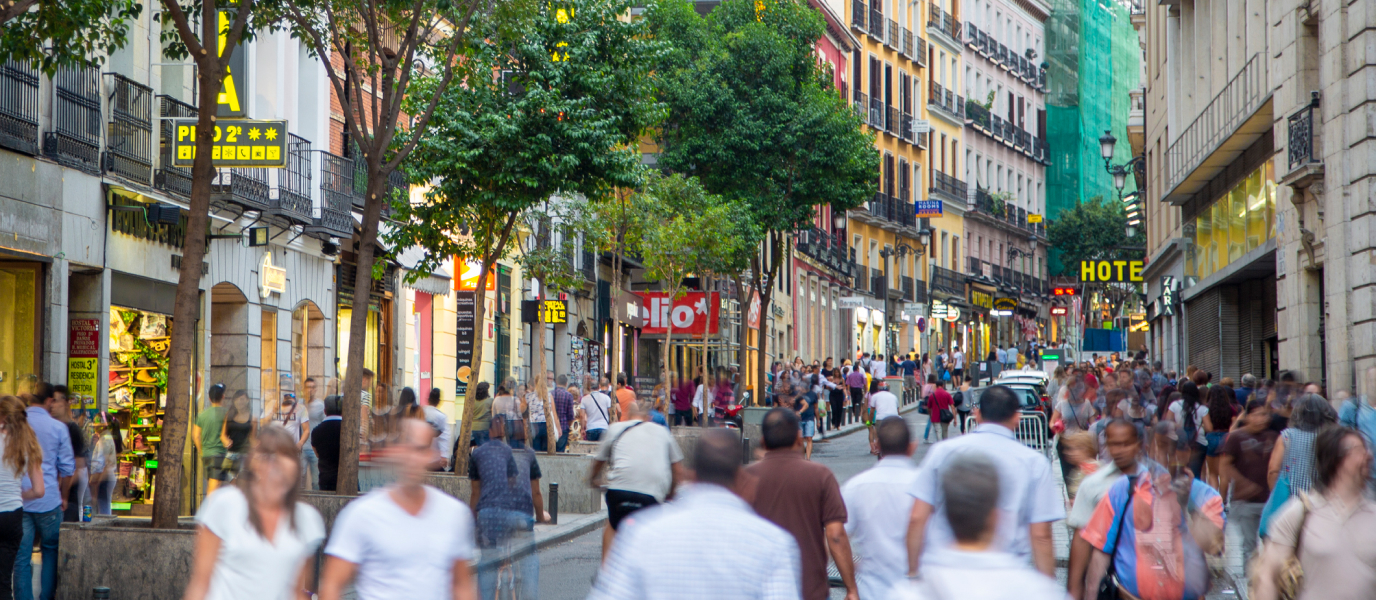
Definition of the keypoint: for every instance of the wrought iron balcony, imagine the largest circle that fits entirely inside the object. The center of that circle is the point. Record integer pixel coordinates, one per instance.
(1302, 146)
(877, 113)
(919, 291)
(825, 249)
(971, 35)
(977, 115)
(294, 182)
(893, 124)
(907, 48)
(1244, 94)
(242, 186)
(129, 141)
(19, 110)
(942, 21)
(953, 189)
(921, 51)
(906, 283)
(905, 128)
(861, 102)
(169, 178)
(947, 281)
(589, 266)
(858, 10)
(876, 23)
(337, 195)
(75, 138)
(895, 39)
(862, 280)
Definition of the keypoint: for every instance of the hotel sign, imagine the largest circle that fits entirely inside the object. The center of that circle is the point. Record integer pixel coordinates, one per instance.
(235, 143)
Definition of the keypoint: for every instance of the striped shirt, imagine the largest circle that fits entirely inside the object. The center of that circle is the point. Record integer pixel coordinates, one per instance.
(705, 544)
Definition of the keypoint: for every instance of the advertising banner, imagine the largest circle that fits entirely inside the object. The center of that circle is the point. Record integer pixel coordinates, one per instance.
(692, 313)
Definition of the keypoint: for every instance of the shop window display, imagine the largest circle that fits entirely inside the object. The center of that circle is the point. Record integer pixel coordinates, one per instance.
(139, 345)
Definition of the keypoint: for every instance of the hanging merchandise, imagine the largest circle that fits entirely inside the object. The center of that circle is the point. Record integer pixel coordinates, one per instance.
(139, 347)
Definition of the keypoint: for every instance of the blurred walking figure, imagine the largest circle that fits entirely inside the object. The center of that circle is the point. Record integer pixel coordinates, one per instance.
(1124, 444)
(877, 503)
(22, 457)
(506, 498)
(802, 497)
(254, 540)
(974, 568)
(692, 548)
(1292, 460)
(1246, 455)
(104, 464)
(642, 464)
(325, 441)
(43, 515)
(444, 437)
(207, 433)
(1030, 497)
(1332, 531)
(406, 540)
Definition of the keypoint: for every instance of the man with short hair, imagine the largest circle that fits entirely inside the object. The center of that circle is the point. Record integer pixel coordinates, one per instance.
(1124, 447)
(594, 413)
(1001, 357)
(878, 368)
(876, 500)
(315, 414)
(642, 463)
(1244, 393)
(625, 395)
(691, 548)
(405, 540)
(909, 368)
(564, 401)
(444, 431)
(506, 498)
(1031, 498)
(205, 432)
(43, 516)
(325, 440)
(1246, 460)
(976, 568)
(802, 497)
(957, 362)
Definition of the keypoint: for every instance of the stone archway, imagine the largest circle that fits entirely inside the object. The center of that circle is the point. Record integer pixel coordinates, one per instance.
(229, 337)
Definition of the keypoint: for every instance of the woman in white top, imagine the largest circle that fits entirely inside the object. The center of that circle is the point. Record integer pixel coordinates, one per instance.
(21, 454)
(254, 540)
(1191, 431)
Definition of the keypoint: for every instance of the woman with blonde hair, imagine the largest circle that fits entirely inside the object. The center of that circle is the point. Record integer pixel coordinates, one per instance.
(253, 539)
(22, 456)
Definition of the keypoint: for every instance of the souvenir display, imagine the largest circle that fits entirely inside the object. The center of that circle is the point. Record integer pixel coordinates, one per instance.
(139, 345)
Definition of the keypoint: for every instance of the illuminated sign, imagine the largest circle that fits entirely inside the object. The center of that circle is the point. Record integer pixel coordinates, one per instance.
(1034, 218)
(1139, 326)
(1167, 296)
(1111, 271)
(927, 209)
(1059, 311)
(1063, 291)
(1005, 304)
(468, 278)
(556, 311)
(236, 143)
(952, 314)
(981, 299)
(233, 93)
(270, 278)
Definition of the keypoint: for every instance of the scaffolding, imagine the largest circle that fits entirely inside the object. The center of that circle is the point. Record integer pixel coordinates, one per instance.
(1092, 56)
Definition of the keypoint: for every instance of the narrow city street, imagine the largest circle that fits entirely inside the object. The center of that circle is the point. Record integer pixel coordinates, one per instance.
(567, 569)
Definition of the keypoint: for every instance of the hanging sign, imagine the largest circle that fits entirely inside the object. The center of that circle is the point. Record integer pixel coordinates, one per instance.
(927, 209)
(1059, 311)
(467, 281)
(270, 278)
(1167, 295)
(692, 313)
(465, 319)
(1111, 271)
(555, 311)
(952, 314)
(235, 143)
(234, 93)
(752, 317)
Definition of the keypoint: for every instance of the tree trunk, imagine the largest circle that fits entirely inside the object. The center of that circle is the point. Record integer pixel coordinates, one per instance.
(352, 423)
(167, 497)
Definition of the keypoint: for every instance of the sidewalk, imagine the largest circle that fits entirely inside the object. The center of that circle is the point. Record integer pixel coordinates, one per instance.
(570, 526)
(858, 425)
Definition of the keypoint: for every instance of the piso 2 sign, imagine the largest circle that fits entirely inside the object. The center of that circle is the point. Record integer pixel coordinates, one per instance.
(235, 143)
(1111, 271)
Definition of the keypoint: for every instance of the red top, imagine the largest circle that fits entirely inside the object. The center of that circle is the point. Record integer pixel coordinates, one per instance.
(939, 399)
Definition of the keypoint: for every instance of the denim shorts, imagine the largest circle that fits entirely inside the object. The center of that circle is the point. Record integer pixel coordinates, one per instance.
(809, 427)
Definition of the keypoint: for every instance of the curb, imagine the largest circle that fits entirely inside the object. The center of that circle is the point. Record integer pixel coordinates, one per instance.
(541, 543)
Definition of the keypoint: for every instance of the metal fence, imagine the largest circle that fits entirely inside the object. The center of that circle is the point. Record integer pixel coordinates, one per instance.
(19, 107)
(169, 178)
(129, 144)
(1243, 95)
(294, 181)
(1032, 432)
(75, 138)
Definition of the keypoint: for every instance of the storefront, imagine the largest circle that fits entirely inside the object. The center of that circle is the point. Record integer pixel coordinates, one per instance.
(21, 310)
(140, 344)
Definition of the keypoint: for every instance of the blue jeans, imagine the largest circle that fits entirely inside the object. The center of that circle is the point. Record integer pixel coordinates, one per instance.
(480, 437)
(310, 477)
(594, 435)
(563, 442)
(540, 441)
(46, 525)
(503, 533)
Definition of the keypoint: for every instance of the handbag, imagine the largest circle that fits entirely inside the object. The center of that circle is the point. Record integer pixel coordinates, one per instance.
(1290, 579)
(1108, 586)
(922, 407)
(945, 416)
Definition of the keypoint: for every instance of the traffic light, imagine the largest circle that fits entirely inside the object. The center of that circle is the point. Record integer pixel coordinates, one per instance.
(1063, 291)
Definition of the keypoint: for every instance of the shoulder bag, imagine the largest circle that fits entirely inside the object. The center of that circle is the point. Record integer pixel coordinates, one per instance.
(1290, 579)
(1108, 586)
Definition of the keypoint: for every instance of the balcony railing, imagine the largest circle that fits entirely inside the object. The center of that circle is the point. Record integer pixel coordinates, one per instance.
(129, 142)
(294, 182)
(948, 281)
(895, 39)
(954, 189)
(247, 187)
(919, 291)
(19, 107)
(589, 266)
(1218, 121)
(907, 284)
(892, 124)
(169, 178)
(876, 23)
(892, 209)
(861, 102)
(337, 195)
(1302, 147)
(825, 249)
(75, 138)
(905, 128)
(943, 22)
(907, 48)
(858, 10)
(921, 50)
(877, 113)
(946, 100)
(986, 204)
(862, 279)
(977, 115)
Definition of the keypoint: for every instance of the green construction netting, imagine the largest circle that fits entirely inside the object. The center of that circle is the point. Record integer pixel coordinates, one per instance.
(1092, 55)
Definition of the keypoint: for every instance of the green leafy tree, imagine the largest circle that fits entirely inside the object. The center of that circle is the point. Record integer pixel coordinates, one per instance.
(753, 115)
(688, 231)
(554, 104)
(373, 53)
(68, 32)
(1095, 229)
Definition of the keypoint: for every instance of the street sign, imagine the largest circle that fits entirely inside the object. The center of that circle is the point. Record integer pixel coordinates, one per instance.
(912, 307)
(927, 209)
(922, 126)
(851, 302)
(236, 143)
(1034, 218)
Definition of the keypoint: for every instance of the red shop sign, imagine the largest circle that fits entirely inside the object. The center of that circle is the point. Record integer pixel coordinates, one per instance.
(691, 313)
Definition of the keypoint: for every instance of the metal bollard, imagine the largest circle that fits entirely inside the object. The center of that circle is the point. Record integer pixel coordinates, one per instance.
(100, 593)
(554, 503)
(745, 450)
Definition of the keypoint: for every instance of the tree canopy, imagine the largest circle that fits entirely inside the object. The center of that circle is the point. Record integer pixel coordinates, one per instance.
(1095, 229)
(70, 32)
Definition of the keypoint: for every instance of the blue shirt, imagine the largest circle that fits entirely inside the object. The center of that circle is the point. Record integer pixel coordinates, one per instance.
(908, 367)
(1358, 414)
(58, 461)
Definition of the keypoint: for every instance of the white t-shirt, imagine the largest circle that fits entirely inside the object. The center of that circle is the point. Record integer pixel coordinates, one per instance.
(440, 421)
(10, 488)
(291, 420)
(248, 565)
(1200, 411)
(885, 404)
(878, 369)
(597, 406)
(400, 555)
(959, 358)
(642, 460)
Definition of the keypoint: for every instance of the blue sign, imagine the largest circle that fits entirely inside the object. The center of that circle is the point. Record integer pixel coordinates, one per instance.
(927, 209)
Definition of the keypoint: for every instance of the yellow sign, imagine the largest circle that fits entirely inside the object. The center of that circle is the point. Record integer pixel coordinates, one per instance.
(236, 143)
(981, 299)
(81, 377)
(1006, 303)
(1111, 271)
(1139, 326)
(1034, 218)
(271, 279)
(556, 311)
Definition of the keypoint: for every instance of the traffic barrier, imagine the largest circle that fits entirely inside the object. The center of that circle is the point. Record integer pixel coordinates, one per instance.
(1032, 431)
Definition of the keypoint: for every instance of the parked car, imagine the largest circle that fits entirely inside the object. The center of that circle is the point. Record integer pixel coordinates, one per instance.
(1033, 401)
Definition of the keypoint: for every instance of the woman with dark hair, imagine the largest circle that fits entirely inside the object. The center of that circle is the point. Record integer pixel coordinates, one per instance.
(1292, 461)
(1336, 526)
(237, 431)
(1191, 427)
(253, 539)
(482, 413)
(1220, 421)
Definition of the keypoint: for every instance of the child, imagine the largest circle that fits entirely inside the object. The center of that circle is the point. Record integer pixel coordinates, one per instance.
(1080, 452)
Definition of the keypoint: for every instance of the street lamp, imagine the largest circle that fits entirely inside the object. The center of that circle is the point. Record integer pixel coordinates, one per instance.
(1120, 180)
(838, 219)
(1106, 143)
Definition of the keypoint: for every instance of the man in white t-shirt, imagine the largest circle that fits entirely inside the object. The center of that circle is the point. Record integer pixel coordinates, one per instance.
(292, 417)
(643, 465)
(957, 363)
(884, 402)
(406, 540)
(594, 412)
(878, 368)
(444, 432)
